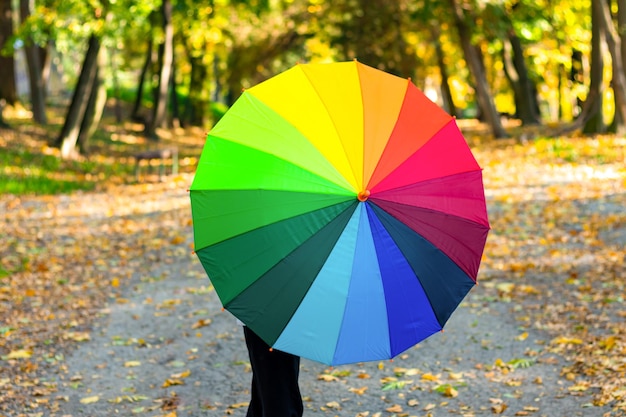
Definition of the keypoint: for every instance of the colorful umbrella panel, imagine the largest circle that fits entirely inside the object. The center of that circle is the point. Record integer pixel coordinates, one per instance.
(339, 213)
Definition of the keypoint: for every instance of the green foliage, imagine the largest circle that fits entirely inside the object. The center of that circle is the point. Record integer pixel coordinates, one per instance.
(28, 172)
(25, 172)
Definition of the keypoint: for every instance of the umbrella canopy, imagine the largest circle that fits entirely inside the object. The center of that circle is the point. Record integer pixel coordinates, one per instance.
(339, 213)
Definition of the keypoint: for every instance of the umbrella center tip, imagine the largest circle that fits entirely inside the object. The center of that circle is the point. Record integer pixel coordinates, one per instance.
(363, 195)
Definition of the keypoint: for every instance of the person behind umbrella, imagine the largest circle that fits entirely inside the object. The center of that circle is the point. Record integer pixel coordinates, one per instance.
(275, 389)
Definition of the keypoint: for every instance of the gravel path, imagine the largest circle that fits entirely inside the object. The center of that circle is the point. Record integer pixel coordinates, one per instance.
(169, 329)
(164, 347)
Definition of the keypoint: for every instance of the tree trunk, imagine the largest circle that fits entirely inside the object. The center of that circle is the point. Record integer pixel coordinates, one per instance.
(2, 122)
(591, 115)
(37, 86)
(483, 92)
(95, 106)
(142, 81)
(515, 67)
(116, 86)
(45, 62)
(68, 137)
(159, 118)
(615, 48)
(197, 104)
(217, 90)
(618, 123)
(8, 89)
(577, 78)
(176, 120)
(446, 93)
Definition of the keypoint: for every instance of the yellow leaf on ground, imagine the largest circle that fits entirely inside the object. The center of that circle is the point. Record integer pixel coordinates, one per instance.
(20, 354)
(450, 392)
(358, 391)
(176, 240)
(183, 374)
(581, 386)
(562, 340)
(90, 400)
(455, 375)
(201, 323)
(430, 377)
(172, 381)
(334, 405)
(77, 336)
(131, 364)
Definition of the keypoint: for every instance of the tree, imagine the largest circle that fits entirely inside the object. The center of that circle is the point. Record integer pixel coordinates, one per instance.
(8, 90)
(373, 32)
(515, 68)
(591, 117)
(275, 41)
(483, 91)
(68, 138)
(95, 105)
(448, 101)
(35, 70)
(166, 58)
(613, 41)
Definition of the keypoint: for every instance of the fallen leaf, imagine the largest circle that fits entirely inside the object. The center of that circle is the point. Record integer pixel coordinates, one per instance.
(172, 381)
(430, 377)
(201, 323)
(238, 405)
(522, 336)
(334, 405)
(19, 354)
(90, 400)
(579, 387)
(183, 374)
(562, 340)
(358, 391)
(77, 336)
(499, 408)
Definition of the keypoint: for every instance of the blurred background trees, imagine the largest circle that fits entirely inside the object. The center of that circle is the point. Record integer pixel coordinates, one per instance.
(176, 63)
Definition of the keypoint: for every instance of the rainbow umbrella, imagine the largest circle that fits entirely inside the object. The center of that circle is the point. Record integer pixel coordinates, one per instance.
(339, 213)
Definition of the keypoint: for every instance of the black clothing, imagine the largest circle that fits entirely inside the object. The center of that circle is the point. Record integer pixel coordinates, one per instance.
(275, 389)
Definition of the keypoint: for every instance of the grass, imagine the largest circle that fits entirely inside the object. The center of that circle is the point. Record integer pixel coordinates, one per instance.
(29, 165)
(27, 172)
